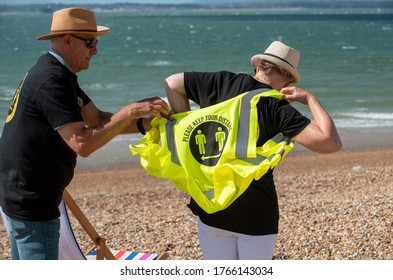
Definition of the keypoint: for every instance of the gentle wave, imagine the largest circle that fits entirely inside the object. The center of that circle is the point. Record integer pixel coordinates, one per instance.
(363, 120)
(102, 86)
(7, 92)
(160, 63)
(373, 116)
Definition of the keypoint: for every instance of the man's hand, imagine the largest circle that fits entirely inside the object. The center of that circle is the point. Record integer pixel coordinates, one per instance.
(153, 106)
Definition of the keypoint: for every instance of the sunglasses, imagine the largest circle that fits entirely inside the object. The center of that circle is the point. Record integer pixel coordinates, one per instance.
(90, 43)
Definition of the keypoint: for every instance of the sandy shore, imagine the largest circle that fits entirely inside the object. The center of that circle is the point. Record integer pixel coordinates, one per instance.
(336, 206)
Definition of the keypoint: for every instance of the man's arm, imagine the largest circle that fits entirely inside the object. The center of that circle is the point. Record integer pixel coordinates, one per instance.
(101, 127)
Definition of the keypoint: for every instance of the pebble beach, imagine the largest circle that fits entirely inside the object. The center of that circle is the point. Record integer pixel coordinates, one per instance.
(333, 207)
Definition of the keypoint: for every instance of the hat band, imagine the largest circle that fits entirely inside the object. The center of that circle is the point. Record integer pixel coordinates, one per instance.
(70, 30)
(269, 54)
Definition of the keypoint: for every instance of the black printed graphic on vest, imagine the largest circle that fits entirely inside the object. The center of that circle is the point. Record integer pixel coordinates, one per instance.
(207, 142)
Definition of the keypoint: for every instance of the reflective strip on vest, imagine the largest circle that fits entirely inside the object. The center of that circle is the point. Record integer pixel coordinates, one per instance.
(170, 135)
(211, 153)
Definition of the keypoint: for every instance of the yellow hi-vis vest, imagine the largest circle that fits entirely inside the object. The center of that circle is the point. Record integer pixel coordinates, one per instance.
(211, 153)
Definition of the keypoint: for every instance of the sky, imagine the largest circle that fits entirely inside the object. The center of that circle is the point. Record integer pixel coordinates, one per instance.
(140, 1)
(95, 1)
(129, 1)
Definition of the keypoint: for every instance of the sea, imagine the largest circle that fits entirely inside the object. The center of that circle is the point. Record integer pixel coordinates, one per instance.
(346, 61)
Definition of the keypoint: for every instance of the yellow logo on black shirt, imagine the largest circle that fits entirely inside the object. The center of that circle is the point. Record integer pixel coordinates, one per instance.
(80, 102)
(15, 100)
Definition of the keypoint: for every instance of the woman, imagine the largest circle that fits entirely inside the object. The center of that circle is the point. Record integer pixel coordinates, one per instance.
(248, 228)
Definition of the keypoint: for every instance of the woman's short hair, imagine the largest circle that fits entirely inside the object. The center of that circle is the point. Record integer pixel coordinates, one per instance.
(268, 67)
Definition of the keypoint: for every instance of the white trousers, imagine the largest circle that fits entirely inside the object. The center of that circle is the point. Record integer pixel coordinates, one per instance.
(218, 244)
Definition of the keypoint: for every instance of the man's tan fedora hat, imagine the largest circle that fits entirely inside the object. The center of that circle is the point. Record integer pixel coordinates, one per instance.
(281, 55)
(74, 21)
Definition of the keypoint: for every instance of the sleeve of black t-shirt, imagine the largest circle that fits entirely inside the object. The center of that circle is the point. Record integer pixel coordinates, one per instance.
(278, 116)
(61, 102)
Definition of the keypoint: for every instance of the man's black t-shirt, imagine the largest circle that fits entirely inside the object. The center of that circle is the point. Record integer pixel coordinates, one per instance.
(35, 162)
(255, 212)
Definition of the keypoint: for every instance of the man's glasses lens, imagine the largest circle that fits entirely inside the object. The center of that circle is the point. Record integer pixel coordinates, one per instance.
(90, 43)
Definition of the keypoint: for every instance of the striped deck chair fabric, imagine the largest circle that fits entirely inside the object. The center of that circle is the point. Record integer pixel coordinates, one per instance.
(127, 255)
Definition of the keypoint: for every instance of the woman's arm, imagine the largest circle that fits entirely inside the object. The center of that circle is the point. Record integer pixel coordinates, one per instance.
(176, 93)
(321, 135)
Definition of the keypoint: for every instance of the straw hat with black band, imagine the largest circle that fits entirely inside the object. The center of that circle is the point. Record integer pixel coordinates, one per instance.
(281, 55)
(74, 21)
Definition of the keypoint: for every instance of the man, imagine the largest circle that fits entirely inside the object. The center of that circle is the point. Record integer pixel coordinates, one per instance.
(247, 228)
(51, 121)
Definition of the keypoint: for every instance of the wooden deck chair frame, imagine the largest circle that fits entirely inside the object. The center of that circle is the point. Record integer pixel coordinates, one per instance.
(103, 252)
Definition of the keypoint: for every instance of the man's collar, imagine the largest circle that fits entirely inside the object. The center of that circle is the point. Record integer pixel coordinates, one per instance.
(60, 58)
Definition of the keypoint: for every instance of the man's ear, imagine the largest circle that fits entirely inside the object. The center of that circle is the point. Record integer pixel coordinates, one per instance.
(66, 39)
